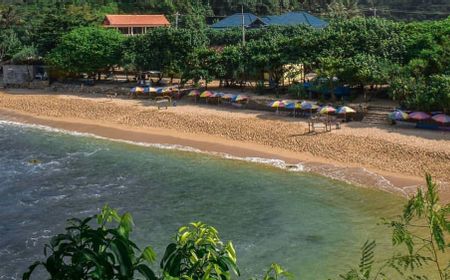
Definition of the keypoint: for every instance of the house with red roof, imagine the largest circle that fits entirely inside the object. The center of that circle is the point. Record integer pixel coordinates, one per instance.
(135, 24)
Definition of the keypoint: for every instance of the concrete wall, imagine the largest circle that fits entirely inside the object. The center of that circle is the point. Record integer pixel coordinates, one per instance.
(24, 75)
(18, 74)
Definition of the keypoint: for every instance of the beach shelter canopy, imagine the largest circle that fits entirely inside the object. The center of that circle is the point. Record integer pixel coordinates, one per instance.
(441, 118)
(398, 115)
(419, 116)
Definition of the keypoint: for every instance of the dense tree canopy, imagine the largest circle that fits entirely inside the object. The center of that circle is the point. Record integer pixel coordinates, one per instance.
(353, 50)
(87, 50)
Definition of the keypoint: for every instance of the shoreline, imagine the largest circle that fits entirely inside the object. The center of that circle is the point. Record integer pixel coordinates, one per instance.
(390, 182)
(392, 160)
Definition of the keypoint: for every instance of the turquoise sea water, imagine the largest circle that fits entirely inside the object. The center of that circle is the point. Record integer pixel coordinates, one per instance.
(311, 225)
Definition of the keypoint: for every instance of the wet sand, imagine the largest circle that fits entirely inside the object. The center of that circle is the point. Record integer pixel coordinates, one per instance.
(383, 157)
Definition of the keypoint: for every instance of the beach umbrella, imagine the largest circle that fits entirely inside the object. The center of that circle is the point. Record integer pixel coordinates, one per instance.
(308, 106)
(193, 93)
(137, 90)
(217, 95)
(419, 116)
(240, 98)
(291, 106)
(441, 118)
(398, 115)
(277, 104)
(228, 96)
(325, 110)
(345, 110)
(206, 93)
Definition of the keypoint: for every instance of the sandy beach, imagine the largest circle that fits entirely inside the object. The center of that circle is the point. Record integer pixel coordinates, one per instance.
(385, 157)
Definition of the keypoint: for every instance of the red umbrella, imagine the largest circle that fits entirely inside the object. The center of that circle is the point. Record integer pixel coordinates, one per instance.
(441, 118)
(419, 116)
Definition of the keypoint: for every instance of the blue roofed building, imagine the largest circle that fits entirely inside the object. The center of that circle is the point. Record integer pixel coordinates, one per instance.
(286, 19)
(250, 21)
(295, 18)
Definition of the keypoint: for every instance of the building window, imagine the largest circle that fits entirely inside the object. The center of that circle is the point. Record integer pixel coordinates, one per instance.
(138, 30)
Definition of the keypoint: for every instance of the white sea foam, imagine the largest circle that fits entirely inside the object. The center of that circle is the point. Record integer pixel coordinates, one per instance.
(336, 173)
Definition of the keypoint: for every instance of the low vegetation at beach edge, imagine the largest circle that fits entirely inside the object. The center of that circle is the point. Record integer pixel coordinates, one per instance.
(420, 238)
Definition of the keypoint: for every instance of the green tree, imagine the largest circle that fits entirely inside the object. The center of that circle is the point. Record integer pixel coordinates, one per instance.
(329, 68)
(267, 55)
(366, 70)
(106, 252)
(439, 88)
(424, 230)
(167, 50)
(9, 44)
(198, 253)
(84, 252)
(233, 62)
(343, 9)
(49, 21)
(87, 50)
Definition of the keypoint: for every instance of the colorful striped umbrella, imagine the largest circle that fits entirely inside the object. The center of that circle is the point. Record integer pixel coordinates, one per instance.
(228, 96)
(240, 98)
(419, 116)
(441, 118)
(327, 110)
(206, 93)
(193, 93)
(217, 95)
(293, 106)
(345, 110)
(398, 115)
(277, 104)
(308, 106)
(137, 90)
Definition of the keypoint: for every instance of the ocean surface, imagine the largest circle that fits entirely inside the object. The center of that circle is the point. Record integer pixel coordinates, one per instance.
(311, 225)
